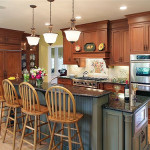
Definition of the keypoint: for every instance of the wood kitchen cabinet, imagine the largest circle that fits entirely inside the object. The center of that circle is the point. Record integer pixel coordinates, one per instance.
(10, 64)
(8, 36)
(30, 55)
(67, 52)
(10, 53)
(96, 33)
(65, 81)
(110, 87)
(119, 41)
(139, 32)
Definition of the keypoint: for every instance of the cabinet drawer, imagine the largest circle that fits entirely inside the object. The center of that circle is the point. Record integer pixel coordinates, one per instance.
(110, 87)
(65, 81)
(140, 118)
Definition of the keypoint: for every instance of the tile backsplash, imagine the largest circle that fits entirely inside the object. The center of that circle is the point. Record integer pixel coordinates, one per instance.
(97, 68)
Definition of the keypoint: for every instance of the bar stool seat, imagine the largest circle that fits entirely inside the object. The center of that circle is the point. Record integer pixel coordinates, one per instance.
(61, 118)
(43, 108)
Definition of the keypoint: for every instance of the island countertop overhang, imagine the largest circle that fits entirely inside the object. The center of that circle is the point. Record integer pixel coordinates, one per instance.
(75, 90)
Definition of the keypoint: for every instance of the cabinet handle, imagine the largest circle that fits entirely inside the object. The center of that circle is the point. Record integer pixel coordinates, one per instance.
(144, 47)
(143, 137)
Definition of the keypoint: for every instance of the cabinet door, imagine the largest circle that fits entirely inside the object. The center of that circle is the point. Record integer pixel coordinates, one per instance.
(12, 63)
(116, 46)
(112, 130)
(89, 37)
(1, 66)
(126, 48)
(102, 38)
(67, 52)
(137, 38)
(148, 37)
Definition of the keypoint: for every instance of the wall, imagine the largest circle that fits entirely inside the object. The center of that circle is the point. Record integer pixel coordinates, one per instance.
(43, 51)
(95, 69)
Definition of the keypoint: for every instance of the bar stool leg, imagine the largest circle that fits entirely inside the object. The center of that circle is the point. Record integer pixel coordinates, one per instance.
(62, 132)
(69, 137)
(39, 129)
(80, 140)
(24, 127)
(6, 125)
(14, 132)
(1, 108)
(35, 133)
(52, 137)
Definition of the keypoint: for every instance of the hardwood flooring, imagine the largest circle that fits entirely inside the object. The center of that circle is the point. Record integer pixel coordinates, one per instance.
(44, 146)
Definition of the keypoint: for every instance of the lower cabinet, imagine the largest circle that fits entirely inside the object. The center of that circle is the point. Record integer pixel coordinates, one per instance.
(110, 87)
(65, 81)
(119, 130)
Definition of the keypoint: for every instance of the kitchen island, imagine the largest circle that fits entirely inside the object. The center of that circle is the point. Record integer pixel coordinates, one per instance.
(125, 127)
(88, 102)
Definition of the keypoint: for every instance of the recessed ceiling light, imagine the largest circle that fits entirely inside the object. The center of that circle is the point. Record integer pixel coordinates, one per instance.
(123, 7)
(47, 23)
(78, 17)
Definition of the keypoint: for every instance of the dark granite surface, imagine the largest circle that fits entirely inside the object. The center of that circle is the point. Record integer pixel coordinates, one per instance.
(120, 105)
(75, 90)
(103, 81)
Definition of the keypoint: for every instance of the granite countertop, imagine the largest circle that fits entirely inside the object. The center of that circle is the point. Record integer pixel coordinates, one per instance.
(103, 81)
(75, 90)
(120, 105)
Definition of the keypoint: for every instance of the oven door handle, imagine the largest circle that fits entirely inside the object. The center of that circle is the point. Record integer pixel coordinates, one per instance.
(140, 61)
(143, 85)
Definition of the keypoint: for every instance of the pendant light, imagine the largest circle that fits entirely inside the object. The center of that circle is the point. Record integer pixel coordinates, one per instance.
(33, 40)
(72, 34)
(50, 37)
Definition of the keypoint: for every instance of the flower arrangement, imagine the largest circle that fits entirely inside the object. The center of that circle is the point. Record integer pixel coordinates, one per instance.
(38, 73)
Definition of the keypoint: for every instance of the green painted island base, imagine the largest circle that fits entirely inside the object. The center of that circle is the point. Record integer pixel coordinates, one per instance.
(90, 125)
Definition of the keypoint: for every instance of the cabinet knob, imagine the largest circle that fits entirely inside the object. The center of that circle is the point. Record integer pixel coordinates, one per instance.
(144, 47)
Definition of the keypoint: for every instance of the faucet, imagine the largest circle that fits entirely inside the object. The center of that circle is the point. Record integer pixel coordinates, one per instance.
(85, 73)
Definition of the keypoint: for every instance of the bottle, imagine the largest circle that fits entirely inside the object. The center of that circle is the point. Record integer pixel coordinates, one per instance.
(126, 92)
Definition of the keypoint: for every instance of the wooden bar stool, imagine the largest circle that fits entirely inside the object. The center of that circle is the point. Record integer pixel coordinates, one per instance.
(59, 102)
(32, 107)
(2, 108)
(12, 102)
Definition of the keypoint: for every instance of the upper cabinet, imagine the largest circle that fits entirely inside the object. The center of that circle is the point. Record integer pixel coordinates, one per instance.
(90, 33)
(119, 42)
(139, 27)
(30, 54)
(10, 39)
(67, 52)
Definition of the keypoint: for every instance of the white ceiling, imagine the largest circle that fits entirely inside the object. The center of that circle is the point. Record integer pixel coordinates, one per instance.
(16, 14)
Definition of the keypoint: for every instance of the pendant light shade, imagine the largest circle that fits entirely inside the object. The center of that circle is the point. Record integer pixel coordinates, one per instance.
(50, 37)
(72, 35)
(33, 40)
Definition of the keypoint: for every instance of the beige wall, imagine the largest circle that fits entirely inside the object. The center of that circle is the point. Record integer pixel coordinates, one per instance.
(43, 51)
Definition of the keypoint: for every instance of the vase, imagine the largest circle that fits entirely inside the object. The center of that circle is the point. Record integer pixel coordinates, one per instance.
(39, 82)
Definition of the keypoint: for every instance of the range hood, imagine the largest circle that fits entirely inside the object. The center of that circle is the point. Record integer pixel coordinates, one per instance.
(80, 57)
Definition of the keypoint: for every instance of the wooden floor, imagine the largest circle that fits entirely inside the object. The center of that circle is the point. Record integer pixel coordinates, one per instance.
(8, 143)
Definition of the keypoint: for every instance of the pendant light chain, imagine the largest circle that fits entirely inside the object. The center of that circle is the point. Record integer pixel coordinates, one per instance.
(72, 9)
(50, 14)
(33, 18)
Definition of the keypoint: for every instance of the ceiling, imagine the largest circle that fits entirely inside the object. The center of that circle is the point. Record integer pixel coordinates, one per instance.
(16, 14)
